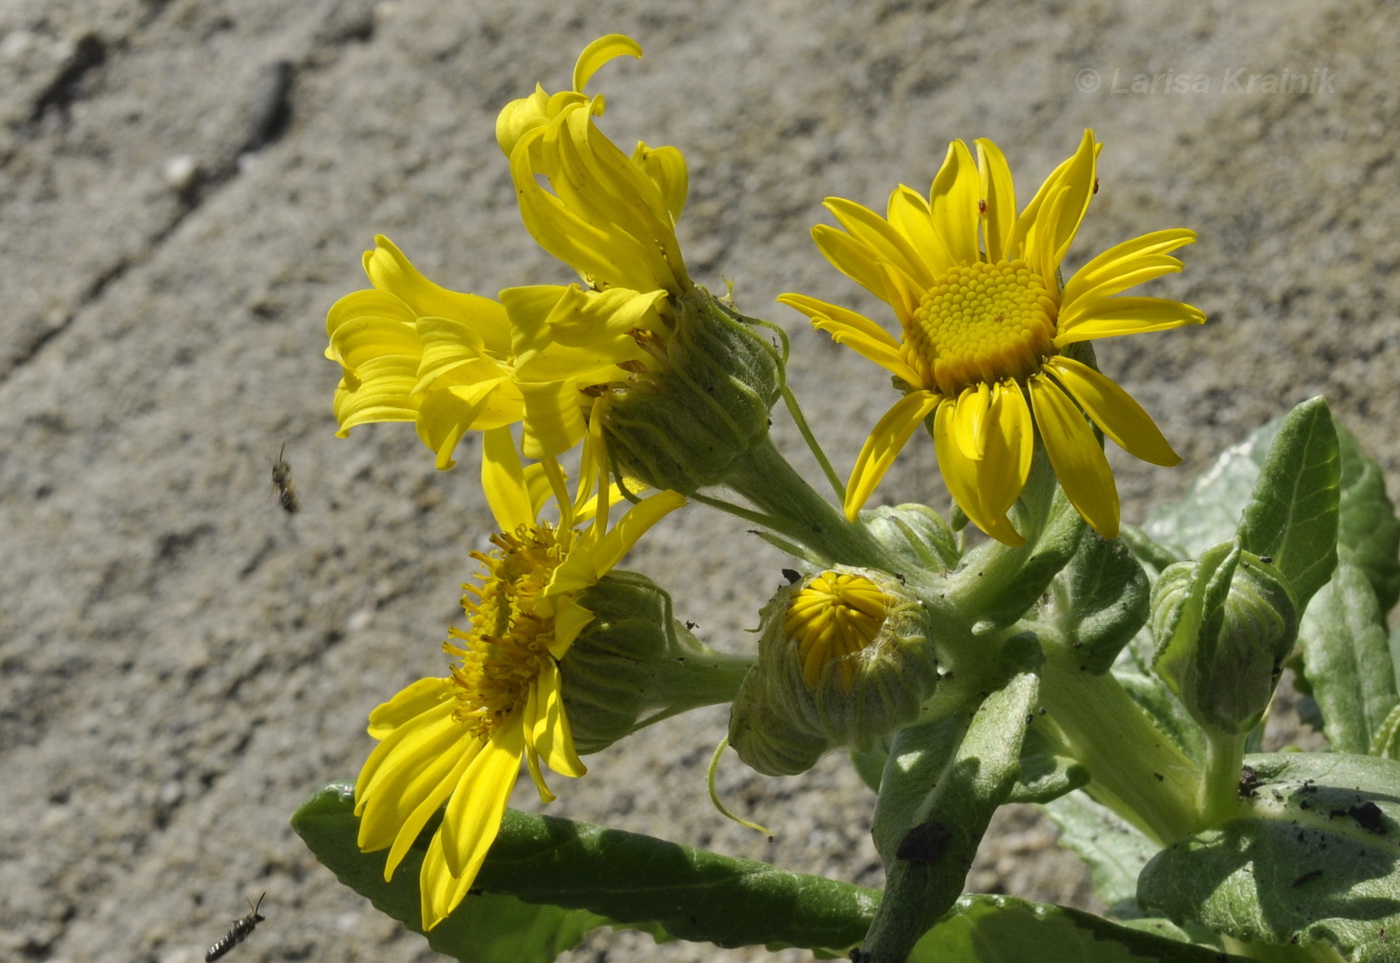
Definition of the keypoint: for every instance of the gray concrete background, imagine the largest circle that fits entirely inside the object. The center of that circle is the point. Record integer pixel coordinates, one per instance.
(185, 188)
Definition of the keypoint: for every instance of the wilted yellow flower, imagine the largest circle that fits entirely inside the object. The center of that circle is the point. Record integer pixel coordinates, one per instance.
(459, 740)
(452, 362)
(987, 329)
(609, 215)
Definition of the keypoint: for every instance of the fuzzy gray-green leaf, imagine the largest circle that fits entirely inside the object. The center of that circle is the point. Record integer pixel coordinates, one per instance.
(616, 877)
(1292, 514)
(1312, 856)
(1004, 929)
(1346, 652)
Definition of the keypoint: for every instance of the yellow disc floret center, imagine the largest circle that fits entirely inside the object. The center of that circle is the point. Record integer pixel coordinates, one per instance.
(835, 616)
(981, 323)
(501, 655)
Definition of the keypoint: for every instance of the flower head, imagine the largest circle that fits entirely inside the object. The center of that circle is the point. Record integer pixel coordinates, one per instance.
(845, 657)
(835, 616)
(459, 740)
(987, 331)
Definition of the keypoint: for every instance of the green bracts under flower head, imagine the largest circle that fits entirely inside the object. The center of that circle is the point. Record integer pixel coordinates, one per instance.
(634, 665)
(683, 425)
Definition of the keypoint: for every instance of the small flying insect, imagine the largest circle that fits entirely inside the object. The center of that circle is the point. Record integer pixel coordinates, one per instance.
(242, 929)
(282, 481)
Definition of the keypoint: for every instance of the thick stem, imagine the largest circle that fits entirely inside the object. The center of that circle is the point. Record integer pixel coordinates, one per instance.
(797, 512)
(692, 681)
(1134, 768)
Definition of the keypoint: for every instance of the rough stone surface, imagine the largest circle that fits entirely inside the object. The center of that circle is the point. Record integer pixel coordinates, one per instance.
(186, 186)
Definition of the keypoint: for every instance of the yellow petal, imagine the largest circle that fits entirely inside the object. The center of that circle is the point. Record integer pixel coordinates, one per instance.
(911, 216)
(439, 892)
(551, 735)
(886, 440)
(883, 240)
(1126, 274)
(410, 702)
(1076, 456)
(860, 334)
(439, 782)
(587, 563)
(1050, 220)
(503, 480)
(1000, 195)
(962, 476)
(1114, 411)
(473, 814)
(667, 169)
(600, 52)
(1009, 448)
(852, 258)
(953, 204)
(553, 421)
(570, 618)
(1124, 315)
(1125, 258)
(970, 420)
(389, 270)
(415, 769)
(386, 756)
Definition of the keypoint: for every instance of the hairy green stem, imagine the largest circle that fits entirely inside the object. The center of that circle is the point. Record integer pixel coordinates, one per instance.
(764, 477)
(1134, 768)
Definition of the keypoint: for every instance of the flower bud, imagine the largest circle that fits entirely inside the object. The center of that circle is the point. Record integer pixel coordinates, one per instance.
(632, 665)
(683, 425)
(914, 534)
(844, 658)
(1222, 626)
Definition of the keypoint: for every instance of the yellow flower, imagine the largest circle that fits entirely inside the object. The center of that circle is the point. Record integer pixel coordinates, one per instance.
(452, 362)
(460, 740)
(987, 329)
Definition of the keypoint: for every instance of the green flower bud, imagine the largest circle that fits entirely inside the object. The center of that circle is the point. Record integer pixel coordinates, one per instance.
(914, 534)
(1222, 626)
(634, 665)
(844, 658)
(682, 426)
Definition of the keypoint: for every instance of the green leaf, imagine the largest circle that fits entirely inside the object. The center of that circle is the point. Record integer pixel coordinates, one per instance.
(624, 878)
(941, 785)
(1367, 525)
(486, 928)
(1045, 773)
(1114, 850)
(1292, 516)
(1346, 654)
(993, 929)
(1313, 856)
(1098, 602)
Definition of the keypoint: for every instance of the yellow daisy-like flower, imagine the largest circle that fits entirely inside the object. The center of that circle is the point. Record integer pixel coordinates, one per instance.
(459, 740)
(452, 362)
(986, 330)
(835, 616)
